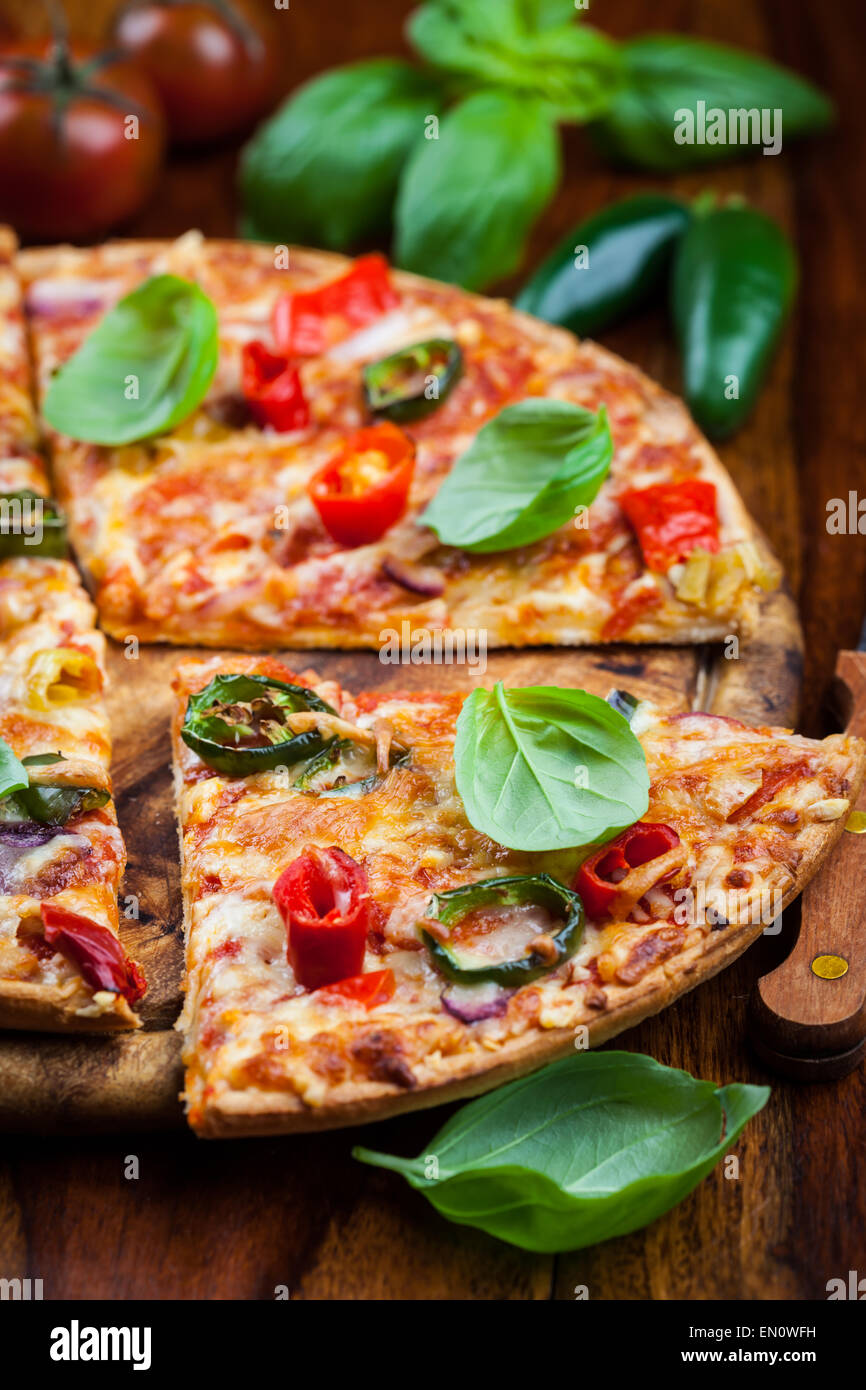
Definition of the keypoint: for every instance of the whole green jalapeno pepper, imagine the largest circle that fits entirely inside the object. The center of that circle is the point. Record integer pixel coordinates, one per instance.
(734, 278)
(607, 266)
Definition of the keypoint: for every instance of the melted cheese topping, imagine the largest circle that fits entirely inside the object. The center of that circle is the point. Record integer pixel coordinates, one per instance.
(251, 1028)
(207, 535)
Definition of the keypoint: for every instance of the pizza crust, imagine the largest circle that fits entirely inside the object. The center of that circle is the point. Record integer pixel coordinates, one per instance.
(55, 1009)
(243, 1113)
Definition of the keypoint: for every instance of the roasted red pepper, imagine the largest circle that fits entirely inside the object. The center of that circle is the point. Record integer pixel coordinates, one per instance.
(308, 322)
(673, 519)
(272, 388)
(94, 950)
(324, 900)
(371, 990)
(599, 876)
(364, 489)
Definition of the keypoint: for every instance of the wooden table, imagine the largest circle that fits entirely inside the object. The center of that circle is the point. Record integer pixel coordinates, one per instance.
(234, 1220)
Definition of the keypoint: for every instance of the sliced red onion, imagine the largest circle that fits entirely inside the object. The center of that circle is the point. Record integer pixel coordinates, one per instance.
(52, 302)
(27, 834)
(419, 579)
(474, 1003)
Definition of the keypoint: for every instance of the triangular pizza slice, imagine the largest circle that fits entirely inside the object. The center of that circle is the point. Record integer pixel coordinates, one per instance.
(356, 945)
(62, 966)
(290, 507)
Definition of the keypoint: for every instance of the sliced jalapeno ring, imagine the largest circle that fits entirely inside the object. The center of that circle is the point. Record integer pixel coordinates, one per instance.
(334, 764)
(49, 805)
(537, 889)
(237, 724)
(31, 525)
(411, 383)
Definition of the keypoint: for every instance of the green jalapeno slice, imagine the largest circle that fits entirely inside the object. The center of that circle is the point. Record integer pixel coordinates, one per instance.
(411, 383)
(49, 805)
(346, 768)
(31, 525)
(239, 724)
(523, 890)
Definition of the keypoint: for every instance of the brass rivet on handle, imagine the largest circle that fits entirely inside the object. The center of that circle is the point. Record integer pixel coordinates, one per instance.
(829, 967)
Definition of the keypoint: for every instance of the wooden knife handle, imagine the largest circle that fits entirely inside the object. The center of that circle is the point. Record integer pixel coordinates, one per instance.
(815, 1002)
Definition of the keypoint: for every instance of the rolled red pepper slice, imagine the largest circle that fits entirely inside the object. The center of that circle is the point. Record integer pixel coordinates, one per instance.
(672, 519)
(599, 877)
(372, 989)
(324, 899)
(308, 322)
(272, 388)
(364, 489)
(94, 950)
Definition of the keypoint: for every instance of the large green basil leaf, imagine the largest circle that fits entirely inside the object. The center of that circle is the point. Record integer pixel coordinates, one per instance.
(531, 48)
(143, 369)
(592, 1147)
(13, 773)
(668, 73)
(324, 168)
(467, 200)
(522, 477)
(542, 768)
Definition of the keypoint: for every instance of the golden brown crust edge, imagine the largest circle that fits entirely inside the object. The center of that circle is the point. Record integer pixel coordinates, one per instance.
(49, 1009)
(263, 1113)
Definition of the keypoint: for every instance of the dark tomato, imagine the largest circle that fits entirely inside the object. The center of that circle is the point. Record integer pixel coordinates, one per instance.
(81, 140)
(212, 62)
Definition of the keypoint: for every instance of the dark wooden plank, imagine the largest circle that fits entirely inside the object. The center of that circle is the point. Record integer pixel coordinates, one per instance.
(235, 1220)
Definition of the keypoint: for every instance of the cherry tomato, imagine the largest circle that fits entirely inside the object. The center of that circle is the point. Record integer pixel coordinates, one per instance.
(212, 61)
(73, 162)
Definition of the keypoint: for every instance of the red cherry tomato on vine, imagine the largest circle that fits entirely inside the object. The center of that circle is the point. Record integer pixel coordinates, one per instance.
(213, 62)
(81, 140)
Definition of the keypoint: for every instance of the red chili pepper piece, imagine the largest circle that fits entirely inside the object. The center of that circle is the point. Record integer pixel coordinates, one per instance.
(324, 900)
(273, 390)
(600, 875)
(95, 951)
(308, 322)
(772, 781)
(371, 990)
(672, 520)
(364, 489)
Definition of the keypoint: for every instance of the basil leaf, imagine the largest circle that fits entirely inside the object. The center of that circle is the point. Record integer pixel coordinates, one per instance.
(542, 768)
(13, 774)
(592, 1147)
(324, 168)
(143, 369)
(467, 200)
(573, 66)
(42, 759)
(522, 477)
(667, 73)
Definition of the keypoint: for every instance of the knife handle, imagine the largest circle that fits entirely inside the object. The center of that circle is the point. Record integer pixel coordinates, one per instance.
(811, 1010)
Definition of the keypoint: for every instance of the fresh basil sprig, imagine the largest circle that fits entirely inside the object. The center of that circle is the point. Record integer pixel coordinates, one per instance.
(592, 1147)
(324, 169)
(522, 477)
(666, 74)
(143, 369)
(544, 768)
(495, 142)
(532, 49)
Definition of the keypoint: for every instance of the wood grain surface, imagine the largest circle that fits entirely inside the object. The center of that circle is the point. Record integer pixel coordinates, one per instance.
(236, 1220)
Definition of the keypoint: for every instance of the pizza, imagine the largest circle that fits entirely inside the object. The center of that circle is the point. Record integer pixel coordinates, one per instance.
(355, 946)
(62, 966)
(285, 509)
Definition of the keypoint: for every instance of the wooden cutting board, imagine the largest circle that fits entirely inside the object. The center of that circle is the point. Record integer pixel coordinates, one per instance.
(66, 1085)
